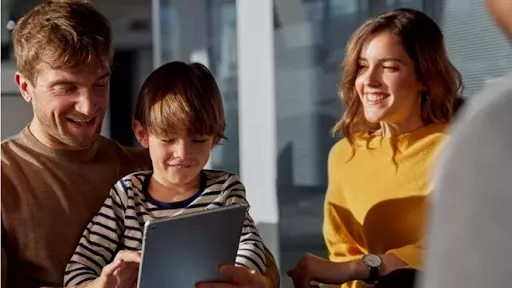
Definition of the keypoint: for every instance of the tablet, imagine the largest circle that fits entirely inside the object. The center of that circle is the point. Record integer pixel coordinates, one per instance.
(179, 251)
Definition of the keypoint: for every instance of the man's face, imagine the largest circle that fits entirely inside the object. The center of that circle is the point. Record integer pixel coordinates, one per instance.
(68, 106)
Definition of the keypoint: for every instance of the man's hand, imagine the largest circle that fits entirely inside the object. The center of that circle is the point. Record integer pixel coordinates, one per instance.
(121, 273)
(313, 268)
(240, 277)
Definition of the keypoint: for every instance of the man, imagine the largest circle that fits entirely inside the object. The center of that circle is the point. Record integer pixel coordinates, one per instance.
(471, 233)
(57, 172)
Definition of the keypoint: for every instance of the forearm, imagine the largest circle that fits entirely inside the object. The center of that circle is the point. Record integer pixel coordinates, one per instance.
(357, 270)
(251, 256)
(97, 245)
(251, 250)
(78, 274)
(4, 268)
(90, 284)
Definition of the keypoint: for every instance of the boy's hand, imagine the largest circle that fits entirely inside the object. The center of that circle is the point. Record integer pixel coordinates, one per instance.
(121, 273)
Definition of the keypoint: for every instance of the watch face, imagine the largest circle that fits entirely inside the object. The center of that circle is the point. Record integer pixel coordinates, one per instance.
(372, 260)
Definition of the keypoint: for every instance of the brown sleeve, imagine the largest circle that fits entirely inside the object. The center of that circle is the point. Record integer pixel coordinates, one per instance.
(4, 268)
(4, 254)
(15, 281)
(272, 273)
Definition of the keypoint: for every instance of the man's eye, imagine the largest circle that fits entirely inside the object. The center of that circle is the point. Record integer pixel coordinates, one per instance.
(65, 89)
(101, 85)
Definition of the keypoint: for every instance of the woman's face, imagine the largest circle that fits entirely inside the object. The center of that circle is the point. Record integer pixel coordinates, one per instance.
(387, 84)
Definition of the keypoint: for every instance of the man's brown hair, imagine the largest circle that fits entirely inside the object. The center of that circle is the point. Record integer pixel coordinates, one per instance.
(181, 98)
(65, 34)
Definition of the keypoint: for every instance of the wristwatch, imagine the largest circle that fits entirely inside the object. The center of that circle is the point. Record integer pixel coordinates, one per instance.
(373, 262)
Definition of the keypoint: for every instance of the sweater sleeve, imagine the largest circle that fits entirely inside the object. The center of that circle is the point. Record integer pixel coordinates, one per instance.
(410, 254)
(340, 244)
(99, 242)
(251, 251)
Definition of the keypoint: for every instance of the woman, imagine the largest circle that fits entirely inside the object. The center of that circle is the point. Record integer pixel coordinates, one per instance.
(399, 88)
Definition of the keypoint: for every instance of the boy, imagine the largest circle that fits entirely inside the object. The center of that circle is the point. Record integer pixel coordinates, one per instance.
(179, 118)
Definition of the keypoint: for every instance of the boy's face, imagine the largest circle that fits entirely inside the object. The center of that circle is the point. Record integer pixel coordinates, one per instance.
(178, 159)
(68, 106)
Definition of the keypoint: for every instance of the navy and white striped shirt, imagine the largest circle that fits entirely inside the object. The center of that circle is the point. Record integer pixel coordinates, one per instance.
(120, 222)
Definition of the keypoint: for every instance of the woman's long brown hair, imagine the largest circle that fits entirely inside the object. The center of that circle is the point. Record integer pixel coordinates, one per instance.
(423, 41)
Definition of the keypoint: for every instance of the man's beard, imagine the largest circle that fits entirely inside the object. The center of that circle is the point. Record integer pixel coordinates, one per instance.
(58, 132)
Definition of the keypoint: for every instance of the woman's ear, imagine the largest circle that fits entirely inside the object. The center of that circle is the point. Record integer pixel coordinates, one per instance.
(140, 133)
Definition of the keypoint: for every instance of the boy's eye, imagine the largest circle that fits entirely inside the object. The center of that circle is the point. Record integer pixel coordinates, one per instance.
(199, 140)
(167, 140)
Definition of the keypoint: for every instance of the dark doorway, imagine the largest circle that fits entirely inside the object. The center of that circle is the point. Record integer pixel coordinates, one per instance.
(121, 95)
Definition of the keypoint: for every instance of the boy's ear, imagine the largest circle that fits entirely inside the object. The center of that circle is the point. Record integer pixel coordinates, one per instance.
(140, 133)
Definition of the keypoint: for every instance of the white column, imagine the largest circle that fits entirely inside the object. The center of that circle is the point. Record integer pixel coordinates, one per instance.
(192, 30)
(190, 33)
(192, 24)
(257, 115)
(156, 33)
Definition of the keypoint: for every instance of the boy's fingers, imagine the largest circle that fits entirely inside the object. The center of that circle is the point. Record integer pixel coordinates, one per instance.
(127, 274)
(109, 269)
(129, 256)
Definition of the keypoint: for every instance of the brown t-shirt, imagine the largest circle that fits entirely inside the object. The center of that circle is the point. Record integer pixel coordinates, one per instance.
(48, 197)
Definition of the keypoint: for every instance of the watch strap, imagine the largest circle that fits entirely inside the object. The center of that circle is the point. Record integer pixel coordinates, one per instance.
(373, 276)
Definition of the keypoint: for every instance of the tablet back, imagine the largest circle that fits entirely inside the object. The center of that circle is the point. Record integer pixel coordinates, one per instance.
(180, 251)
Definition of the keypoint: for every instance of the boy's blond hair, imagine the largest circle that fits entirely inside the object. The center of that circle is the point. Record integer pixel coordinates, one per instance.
(181, 98)
(65, 34)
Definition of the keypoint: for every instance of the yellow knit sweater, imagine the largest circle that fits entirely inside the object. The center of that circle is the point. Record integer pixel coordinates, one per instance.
(376, 201)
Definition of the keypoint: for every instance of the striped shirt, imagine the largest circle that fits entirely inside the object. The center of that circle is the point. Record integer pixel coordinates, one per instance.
(120, 222)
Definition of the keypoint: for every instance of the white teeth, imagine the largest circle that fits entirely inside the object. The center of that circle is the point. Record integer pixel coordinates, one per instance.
(181, 166)
(375, 97)
(81, 121)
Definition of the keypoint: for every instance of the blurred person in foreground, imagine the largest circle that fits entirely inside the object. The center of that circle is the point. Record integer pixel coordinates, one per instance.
(470, 230)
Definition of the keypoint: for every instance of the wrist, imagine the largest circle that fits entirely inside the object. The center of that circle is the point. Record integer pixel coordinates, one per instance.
(342, 272)
(96, 283)
(358, 270)
(374, 264)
